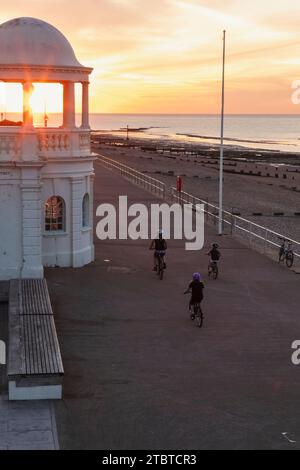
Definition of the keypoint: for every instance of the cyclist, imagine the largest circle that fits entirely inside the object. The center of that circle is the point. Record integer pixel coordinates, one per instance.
(214, 254)
(195, 287)
(159, 245)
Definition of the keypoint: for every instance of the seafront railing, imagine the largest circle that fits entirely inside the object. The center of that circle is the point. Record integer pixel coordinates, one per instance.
(147, 182)
(256, 236)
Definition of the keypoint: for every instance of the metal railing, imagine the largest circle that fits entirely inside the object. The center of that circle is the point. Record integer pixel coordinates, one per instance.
(150, 184)
(256, 236)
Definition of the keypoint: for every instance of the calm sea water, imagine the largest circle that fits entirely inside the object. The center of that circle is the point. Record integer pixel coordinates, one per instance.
(274, 132)
(255, 131)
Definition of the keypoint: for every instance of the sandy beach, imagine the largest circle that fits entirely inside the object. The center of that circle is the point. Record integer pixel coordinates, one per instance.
(243, 194)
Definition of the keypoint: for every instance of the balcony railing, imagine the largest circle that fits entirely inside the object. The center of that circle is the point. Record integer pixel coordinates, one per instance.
(10, 145)
(45, 142)
(63, 142)
(53, 142)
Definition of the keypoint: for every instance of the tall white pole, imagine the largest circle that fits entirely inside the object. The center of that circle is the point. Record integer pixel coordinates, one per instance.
(222, 143)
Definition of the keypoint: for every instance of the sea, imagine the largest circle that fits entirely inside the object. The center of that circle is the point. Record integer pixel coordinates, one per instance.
(260, 132)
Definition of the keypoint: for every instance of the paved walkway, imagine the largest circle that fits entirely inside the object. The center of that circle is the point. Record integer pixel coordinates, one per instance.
(23, 425)
(27, 425)
(140, 375)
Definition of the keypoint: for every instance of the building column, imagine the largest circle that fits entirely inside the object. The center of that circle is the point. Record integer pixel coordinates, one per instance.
(29, 142)
(27, 112)
(69, 105)
(76, 220)
(85, 106)
(31, 224)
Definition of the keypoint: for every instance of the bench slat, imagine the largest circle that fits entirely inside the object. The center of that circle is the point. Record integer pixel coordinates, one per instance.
(42, 355)
(35, 297)
(33, 346)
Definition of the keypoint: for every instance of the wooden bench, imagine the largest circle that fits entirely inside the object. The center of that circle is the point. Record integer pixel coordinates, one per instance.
(34, 297)
(35, 369)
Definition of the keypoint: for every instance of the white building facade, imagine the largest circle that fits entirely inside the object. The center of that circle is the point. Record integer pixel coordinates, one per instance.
(46, 174)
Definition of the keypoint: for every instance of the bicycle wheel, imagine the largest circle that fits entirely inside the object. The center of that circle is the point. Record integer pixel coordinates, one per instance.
(289, 259)
(161, 274)
(215, 272)
(160, 269)
(199, 316)
(281, 255)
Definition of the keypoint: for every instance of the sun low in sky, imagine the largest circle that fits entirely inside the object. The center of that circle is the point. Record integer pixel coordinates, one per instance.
(164, 56)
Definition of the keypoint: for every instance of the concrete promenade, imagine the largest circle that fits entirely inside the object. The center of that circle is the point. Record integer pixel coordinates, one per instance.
(27, 425)
(140, 375)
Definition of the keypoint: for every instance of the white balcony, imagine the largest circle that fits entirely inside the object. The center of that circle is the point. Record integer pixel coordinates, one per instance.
(18, 143)
(10, 144)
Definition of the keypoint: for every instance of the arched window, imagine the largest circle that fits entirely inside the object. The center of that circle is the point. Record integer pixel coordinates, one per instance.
(55, 214)
(86, 211)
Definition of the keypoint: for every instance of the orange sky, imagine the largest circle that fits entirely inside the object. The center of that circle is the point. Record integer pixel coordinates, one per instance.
(164, 56)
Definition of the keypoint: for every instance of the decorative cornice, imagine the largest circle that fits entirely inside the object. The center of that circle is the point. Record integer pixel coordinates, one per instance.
(20, 164)
(51, 74)
(44, 68)
(61, 159)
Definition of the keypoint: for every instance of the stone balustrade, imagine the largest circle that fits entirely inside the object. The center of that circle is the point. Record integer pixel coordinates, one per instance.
(85, 141)
(10, 146)
(50, 143)
(53, 142)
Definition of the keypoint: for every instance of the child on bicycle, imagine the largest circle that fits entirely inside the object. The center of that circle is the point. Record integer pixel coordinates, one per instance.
(195, 287)
(214, 255)
(159, 245)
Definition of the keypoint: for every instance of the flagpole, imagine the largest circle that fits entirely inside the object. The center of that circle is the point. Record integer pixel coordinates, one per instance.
(222, 143)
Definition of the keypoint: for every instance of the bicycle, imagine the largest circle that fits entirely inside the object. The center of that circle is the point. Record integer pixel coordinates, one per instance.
(213, 269)
(285, 252)
(160, 264)
(197, 313)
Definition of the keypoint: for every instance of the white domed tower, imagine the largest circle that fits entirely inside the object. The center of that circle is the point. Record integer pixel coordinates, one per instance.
(46, 174)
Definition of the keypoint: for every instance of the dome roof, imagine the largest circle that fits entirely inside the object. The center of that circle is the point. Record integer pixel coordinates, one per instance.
(29, 41)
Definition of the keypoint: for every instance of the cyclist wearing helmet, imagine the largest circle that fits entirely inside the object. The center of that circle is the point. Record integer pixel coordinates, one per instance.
(196, 288)
(214, 253)
(159, 245)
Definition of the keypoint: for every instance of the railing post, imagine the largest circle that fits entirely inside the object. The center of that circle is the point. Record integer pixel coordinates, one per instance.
(232, 224)
(266, 241)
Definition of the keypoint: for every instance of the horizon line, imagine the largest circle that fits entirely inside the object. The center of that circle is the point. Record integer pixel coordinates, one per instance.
(166, 114)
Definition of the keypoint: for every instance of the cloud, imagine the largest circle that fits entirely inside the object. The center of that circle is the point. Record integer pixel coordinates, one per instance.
(144, 50)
